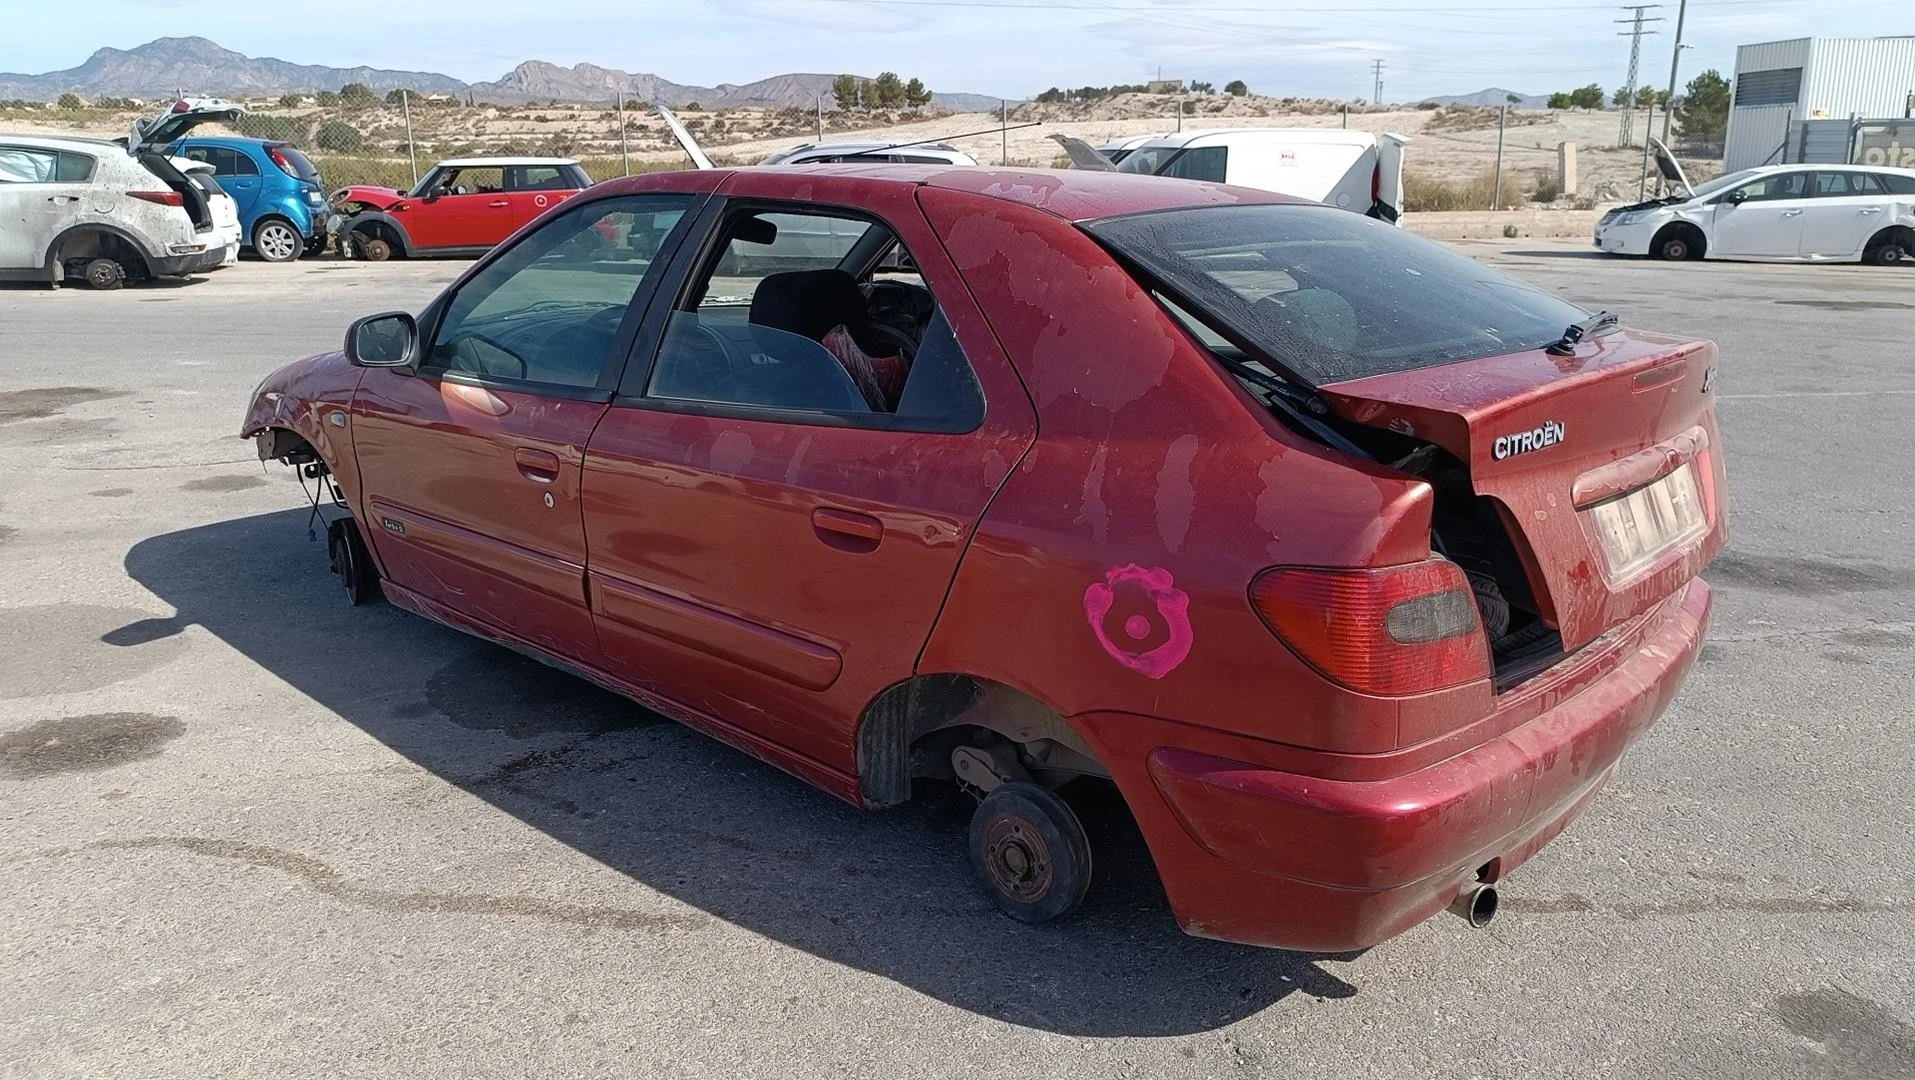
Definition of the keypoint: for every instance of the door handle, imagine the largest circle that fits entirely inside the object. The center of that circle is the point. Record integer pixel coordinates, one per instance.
(847, 530)
(1871, 209)
(538, 466)
(63, 198)
(1791, 213)
(500, 202)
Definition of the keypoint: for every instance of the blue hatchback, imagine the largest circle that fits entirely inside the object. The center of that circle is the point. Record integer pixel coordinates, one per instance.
(282, 205)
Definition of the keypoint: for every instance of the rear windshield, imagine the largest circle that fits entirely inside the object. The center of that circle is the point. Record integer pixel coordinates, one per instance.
(303, 166)
(1327, 295)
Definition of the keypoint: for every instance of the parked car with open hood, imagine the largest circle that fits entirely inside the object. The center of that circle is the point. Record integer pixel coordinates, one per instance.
(462, 207)
(277, 190)
(1350, 170)
(1352, 563)
(107, 212)
(1774, 213)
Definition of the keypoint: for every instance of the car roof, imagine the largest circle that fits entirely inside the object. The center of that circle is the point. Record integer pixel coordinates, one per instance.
(62, 142)
(1072, 194)
(475, 162)
(232, 140)
(1332, 136)
(874, 144)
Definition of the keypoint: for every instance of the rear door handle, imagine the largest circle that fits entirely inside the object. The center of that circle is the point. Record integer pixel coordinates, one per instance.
(63, 198)
(1791, 213)
(501, 202)
(538, 466)
(837, 526)
(1871, 209)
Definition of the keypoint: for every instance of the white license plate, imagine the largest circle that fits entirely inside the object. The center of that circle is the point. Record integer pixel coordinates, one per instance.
(1638, 527)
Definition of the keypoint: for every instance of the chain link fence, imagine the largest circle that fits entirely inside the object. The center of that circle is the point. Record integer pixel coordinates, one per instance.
(393, 145)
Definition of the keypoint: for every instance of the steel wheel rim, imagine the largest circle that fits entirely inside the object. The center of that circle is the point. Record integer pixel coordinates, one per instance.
(277, 241)
(1017, 859)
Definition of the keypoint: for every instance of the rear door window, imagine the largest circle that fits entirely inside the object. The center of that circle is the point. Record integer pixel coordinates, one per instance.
(1328, 295)
(1896, 183)
(785, 321)
(27, 165)
(1834, 185)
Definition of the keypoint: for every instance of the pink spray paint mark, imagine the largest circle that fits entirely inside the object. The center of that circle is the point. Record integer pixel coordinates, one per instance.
(1151, 608)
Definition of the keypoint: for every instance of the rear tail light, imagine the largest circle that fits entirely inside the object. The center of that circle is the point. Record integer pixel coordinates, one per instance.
(1393, 630)
(1376, 183)
(279, 159)
(163, 198)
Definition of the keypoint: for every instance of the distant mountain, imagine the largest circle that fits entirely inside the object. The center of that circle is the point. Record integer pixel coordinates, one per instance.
(168, 66)
(536, 80)
(1495, 95)
(194, 65)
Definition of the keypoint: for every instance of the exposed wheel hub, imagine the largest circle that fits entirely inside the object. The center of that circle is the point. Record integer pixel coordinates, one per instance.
(1018, 861)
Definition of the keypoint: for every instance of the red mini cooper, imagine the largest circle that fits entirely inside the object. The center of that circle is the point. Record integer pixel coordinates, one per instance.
(1353, 564)
(462, 207)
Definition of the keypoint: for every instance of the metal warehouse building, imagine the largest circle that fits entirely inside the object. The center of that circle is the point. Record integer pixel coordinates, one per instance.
(1780, 84)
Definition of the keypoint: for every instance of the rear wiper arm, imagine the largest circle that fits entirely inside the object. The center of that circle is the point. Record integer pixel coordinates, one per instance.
(1596, 325)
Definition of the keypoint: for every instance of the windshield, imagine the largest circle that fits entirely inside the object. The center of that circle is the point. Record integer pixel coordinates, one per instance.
(1329, 296)
(1728, 180)
(1147, 159)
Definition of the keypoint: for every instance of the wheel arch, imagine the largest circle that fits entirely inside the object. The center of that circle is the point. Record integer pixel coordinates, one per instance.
(54, 263)
(379, 218)
(1896, 233)
(1689, 230)
(902, 717)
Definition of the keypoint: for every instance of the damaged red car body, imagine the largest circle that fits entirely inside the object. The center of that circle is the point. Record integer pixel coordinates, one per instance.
(1354, 565)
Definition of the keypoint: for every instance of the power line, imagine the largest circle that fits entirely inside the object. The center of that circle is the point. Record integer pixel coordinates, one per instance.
(1376, 71)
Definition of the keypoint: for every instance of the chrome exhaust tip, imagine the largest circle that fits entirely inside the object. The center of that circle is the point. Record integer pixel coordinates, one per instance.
(1476, 904)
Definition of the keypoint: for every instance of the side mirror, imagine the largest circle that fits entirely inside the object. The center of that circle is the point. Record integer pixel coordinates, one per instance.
(1738, 196)
(385, 340)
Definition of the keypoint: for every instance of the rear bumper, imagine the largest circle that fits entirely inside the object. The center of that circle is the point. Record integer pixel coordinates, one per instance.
(1269, 857)
(182, 265)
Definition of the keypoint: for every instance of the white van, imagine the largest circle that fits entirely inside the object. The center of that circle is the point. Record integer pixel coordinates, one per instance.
(1355, 170)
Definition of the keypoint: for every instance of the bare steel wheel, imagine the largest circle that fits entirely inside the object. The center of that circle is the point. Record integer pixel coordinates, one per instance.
(351, 561)
(374, 249)
(1030, 852)
(277, 241)
(1674, 247)
(105, 274)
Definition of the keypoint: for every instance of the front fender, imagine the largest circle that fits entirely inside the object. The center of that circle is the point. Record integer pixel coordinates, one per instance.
(312, 399)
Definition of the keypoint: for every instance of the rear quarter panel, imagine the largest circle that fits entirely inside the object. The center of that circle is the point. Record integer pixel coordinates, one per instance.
(1112, 571)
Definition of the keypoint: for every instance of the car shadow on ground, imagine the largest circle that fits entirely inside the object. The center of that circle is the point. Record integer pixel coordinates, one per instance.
(889, 893)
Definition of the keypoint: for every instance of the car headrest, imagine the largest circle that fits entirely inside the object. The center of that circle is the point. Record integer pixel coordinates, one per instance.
(809, 303)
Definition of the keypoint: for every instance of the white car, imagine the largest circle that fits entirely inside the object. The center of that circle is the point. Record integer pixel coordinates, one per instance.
(1774, 213)
(907, 154)
(225, 210)
(106, 212)
(1355, 170)
(1116, 150)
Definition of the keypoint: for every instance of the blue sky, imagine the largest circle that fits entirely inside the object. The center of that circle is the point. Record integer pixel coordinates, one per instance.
(1007, 47)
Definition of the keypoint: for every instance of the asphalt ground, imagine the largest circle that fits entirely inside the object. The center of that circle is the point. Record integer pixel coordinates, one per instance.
(248, 831)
